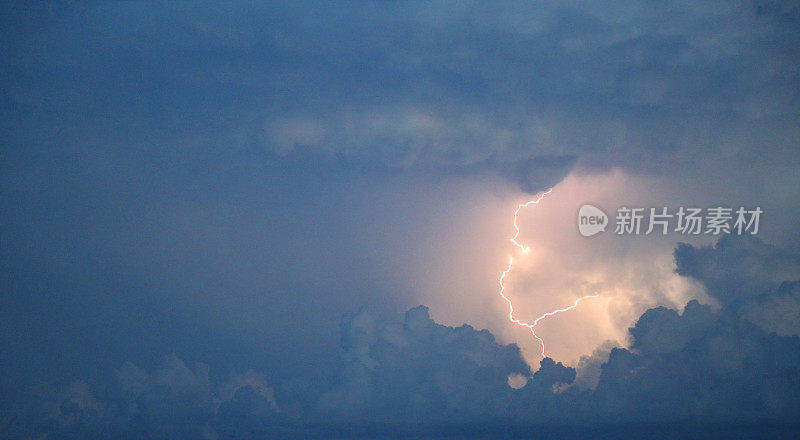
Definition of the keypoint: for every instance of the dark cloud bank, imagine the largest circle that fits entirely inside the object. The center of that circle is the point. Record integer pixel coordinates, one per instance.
(520, 90)
(108, 106)
(726, 372)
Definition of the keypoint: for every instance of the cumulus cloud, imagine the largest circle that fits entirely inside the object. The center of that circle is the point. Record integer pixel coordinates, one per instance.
(723, 364)
(752, 279)
(421, 370)
(701, 365)
(687, 369)
(172, 401)
(46, 409)
(737, 268)
(704, 363)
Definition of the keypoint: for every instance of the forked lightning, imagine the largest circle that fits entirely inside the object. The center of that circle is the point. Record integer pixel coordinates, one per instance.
(526, 249)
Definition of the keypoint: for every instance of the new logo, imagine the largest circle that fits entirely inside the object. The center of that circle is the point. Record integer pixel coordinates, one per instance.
(591, 220)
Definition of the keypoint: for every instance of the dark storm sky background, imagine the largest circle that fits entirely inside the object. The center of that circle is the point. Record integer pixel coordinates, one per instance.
(222, 183)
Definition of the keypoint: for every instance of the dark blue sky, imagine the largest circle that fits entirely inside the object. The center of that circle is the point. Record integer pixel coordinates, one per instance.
(194, 195)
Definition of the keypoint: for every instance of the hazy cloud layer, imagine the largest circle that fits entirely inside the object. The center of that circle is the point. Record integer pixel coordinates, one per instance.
(518, 89)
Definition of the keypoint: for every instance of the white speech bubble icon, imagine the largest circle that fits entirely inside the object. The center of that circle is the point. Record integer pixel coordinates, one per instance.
(591, 220)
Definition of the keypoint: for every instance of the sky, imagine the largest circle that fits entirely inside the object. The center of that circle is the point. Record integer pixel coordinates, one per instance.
(272, 220)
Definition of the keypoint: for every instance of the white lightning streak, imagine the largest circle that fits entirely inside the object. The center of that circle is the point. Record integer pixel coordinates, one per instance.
(536, 201)
(525, 250)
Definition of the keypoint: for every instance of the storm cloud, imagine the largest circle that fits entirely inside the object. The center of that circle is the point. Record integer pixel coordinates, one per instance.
(515, 89)
(698, 369)
(193, 194)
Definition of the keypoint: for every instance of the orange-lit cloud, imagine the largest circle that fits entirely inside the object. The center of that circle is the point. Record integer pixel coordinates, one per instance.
(630, 274)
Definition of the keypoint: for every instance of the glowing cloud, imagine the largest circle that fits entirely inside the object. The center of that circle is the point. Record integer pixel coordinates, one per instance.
(526, 249)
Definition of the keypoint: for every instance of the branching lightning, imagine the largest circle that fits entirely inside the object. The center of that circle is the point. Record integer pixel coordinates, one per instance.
(526, 249)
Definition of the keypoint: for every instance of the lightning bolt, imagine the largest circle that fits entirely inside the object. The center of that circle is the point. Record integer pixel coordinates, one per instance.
(526, 249)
